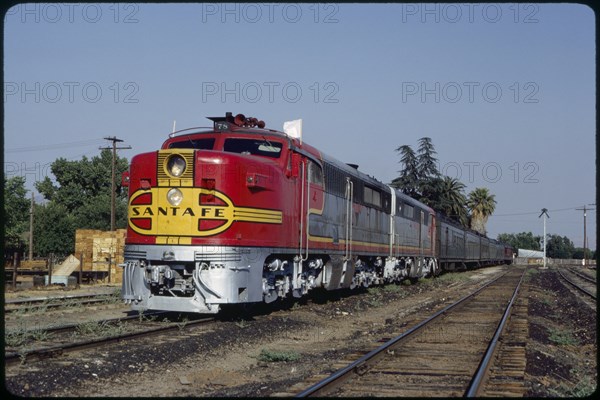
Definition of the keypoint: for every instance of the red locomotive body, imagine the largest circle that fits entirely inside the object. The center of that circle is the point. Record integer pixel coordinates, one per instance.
(238, 213)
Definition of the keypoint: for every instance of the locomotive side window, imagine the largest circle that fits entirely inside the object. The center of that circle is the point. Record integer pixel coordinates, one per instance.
(409, 211)
(254, 147)
(198, 144)
(372, 196)
(315, 174)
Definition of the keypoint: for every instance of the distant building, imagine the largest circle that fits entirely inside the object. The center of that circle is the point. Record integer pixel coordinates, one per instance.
(524, 253)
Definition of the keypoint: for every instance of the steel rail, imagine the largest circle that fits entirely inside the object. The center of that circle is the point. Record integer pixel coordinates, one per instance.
(577, 286)
(582, 276)
(482, 371)
(343, 373)
(71, 327)
(59, 298)
(13, 358)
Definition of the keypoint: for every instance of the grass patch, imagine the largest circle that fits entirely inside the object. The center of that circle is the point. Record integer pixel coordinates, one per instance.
(21, 336)
(102, 329)
(374, 289)
(374, 302)
(451, 277)
(562, 337)
(278, 356)
(392, 288)
(583, 388)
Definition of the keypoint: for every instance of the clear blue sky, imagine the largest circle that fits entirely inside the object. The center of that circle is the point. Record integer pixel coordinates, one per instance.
(506, 91)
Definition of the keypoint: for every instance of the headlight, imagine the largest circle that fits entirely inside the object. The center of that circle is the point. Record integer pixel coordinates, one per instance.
(176, 165)
(174, 196)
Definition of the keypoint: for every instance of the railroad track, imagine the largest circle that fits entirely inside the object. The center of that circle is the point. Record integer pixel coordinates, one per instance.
(581, 282)
(455, 352)
(582, 275)
(68, 342)
(44, 303)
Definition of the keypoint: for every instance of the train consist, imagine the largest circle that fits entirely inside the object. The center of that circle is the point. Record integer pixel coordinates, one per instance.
(238, 213)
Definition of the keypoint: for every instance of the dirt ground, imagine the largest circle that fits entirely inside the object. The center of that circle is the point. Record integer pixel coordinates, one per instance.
(274, 348)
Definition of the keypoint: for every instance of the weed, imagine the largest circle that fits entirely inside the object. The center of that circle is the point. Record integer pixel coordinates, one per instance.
(562, 338)
(393, 288)
(374, 290)
(15, 338)
(375, 303)
(183, 323)
(450, 277)
(21, 336)
(277, 356)
(102, 329)
(546, 301)
(583, 388)
(39, 335)
(242, 323)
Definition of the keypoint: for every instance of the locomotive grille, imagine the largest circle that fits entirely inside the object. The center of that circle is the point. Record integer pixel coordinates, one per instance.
(218, 256)
(186, 179)
(137, 254)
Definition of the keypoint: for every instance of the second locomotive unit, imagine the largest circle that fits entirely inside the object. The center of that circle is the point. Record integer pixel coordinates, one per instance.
(238, 213)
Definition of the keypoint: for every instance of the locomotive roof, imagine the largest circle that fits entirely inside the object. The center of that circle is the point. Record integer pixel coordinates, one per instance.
(304, 148)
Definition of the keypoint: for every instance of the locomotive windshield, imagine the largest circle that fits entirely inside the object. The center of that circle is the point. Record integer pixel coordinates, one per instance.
(254, 147)
(198, 144)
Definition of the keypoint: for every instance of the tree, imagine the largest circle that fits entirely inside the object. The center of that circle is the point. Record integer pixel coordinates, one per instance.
(578, 253)
(559, 247)
(78, 198)
(426, 161)
(54, 230)
(16, 212)
(408, 181)
(452, 200)
(523, 240)
(481, 204)
(83, 187)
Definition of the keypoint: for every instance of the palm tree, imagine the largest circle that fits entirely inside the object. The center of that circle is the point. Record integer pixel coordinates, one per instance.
(452, 199)
(482, 204)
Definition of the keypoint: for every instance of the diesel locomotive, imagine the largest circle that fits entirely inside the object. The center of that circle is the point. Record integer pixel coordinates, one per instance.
(237, 213)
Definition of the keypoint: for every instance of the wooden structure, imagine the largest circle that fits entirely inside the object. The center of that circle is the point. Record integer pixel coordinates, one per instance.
(102, 252)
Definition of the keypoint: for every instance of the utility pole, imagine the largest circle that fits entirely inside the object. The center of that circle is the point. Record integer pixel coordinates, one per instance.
(584, 209)
(545, 214)
(31, 229)
(114, 160)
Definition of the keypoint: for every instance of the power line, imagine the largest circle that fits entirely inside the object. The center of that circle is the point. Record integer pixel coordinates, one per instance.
(533, 212)
(78, 143)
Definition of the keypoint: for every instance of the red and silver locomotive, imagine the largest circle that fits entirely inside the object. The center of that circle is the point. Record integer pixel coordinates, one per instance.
(238, 213)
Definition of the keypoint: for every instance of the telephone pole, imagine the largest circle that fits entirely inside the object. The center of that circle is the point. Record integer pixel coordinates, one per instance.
(114, 160)
(31, 229)
(585, 210)
(545, 214)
